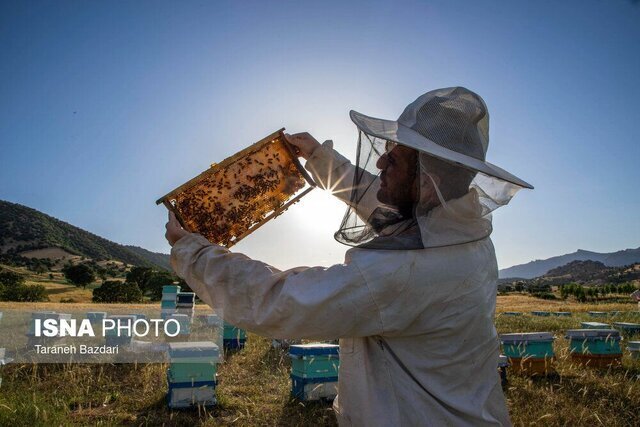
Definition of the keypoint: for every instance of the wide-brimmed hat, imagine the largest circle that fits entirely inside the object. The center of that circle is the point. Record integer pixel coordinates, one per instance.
(451, 124)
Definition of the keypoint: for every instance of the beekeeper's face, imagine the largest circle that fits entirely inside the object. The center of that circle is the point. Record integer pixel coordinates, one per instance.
(398, 177)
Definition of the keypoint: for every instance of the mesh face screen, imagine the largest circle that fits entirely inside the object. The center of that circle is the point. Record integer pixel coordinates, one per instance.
(233, 198)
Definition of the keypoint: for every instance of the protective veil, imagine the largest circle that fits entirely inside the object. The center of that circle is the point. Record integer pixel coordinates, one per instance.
(451, 125)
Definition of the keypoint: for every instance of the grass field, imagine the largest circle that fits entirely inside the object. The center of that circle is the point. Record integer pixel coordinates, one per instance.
(254, 385)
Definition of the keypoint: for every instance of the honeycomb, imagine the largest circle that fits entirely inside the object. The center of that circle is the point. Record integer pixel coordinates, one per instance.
(232, 199)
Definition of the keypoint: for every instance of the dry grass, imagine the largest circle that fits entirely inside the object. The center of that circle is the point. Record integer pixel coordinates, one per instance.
(254, 385)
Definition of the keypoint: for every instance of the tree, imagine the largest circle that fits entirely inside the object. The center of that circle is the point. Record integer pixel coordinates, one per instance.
(79, 275)
(156, 281)
(12, 288)
(139, 276)
(112, 291)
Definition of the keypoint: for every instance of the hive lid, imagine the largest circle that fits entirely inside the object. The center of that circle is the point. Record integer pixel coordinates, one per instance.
(122, 317)
(180, 317)
(595, 325)
(593, 333)
(633, 345)
(597, 312)
(627, 325)
(527, 336)
(204, 349)
(314, 349)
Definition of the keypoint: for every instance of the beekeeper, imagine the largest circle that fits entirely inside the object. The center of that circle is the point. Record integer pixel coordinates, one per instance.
(413, 302)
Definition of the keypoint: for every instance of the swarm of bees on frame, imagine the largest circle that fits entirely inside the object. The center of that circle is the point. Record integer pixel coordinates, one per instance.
(228, 201)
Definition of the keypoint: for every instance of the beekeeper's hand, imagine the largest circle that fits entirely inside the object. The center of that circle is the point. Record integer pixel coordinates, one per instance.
(174, 230)
(304, 142)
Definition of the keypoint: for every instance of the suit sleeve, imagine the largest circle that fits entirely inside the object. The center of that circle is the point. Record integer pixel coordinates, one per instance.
(304, 302)
(333, 172)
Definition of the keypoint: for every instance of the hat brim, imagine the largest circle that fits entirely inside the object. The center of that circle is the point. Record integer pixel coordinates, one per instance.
(391, 130)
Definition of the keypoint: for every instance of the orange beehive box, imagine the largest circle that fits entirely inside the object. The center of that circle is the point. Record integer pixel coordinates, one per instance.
(532, 366)
(230, 200)
(597, 360)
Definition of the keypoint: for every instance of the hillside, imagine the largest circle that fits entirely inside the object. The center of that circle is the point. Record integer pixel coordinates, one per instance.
(24, 230)
(541, 267)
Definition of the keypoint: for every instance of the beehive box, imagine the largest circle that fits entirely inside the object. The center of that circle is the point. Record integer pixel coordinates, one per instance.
(595, 325)
(96, 316)
(170, 291)
(193, 361)
(537, 345)
(42, 316)
(314, 360)
(186, 352)
(594, 341)
(532, 366)
(562, 313)
(598, 314)
(185, 298)
(233, 198)
(310, 389)
(628, 329)
(116, 336)
(512, 313)
(634, 349)
(541, 313)
(191, 394)
(183, 320)
(232, 332)
(168, 304)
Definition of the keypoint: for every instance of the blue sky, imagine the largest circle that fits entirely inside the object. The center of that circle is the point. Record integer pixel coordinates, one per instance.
(106, 106)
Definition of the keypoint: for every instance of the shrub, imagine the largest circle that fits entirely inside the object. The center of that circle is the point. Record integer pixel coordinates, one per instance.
(112, 291)
(79, 275)
(25, 293)
(544, 295)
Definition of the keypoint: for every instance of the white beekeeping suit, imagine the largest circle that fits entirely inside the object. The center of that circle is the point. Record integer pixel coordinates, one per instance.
(413, 302)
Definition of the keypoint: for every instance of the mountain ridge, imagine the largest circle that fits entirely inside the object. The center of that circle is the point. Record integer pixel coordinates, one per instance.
(541, 267)
(23, 228)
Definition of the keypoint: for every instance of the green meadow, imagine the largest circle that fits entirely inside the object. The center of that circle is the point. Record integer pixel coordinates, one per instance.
(254, 384)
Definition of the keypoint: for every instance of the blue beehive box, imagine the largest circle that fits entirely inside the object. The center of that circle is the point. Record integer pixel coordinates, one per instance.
(183, 320)
(190, 351)
(170, 289)
(42, 316)
(598, 314)
(233, 337)
(537, 345)
(512, 313)
(117, 336)
(193, 361)
(310, 389)
(191, 394)
(594, 325)
(594, 341)
(314, 360)
(96, 316)
(634, 349)
(168, 304)
(541, 313)
(628, 329)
